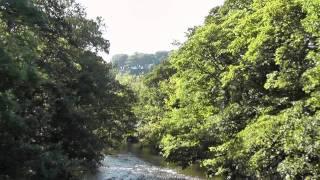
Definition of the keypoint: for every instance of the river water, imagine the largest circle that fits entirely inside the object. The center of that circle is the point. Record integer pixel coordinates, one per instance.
(133, 163)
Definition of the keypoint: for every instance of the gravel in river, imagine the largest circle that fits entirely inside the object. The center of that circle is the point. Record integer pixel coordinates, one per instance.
(130, 167)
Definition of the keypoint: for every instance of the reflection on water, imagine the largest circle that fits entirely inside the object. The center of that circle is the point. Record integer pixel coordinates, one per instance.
(133, 163)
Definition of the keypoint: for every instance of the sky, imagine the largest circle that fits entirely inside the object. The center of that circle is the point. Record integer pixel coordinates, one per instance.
(147, 26)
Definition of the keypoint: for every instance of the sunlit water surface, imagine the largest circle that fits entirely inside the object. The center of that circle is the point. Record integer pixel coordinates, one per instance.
(133, 163)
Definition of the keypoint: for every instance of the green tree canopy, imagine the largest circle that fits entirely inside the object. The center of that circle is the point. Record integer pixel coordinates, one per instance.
(60, 105)
(244, 96)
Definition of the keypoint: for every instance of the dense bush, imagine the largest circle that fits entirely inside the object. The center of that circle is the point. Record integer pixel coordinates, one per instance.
(60, 105)
(242, 95)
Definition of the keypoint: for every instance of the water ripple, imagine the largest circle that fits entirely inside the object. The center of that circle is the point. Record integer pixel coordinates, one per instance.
(129, 167)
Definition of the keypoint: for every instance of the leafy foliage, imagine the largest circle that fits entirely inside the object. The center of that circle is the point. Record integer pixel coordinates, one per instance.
(60, 105)
(242, 94)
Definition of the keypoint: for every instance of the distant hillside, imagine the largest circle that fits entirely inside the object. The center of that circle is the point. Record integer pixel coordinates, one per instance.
(138, 63)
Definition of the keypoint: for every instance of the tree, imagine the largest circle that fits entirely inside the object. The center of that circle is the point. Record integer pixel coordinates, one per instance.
(138, 63)
(60, 105)
(244, 98)
(119, 59)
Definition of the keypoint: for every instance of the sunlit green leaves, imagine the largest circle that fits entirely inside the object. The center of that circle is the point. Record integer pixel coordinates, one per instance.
(245, 97)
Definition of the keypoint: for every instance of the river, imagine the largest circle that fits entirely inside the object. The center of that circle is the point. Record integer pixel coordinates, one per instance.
(134, 163)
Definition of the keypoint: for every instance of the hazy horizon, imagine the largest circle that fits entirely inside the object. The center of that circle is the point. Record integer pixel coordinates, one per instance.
(147, 26)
